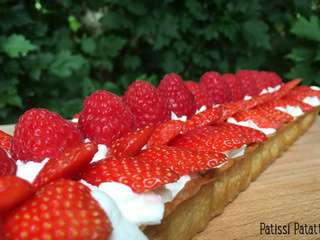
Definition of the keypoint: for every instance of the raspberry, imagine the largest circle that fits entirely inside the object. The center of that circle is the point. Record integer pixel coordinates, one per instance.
(200, 93)
(105, 117)
(179, 99)
(41, 133)
(146, 103)
(234, 86)
(218, 89)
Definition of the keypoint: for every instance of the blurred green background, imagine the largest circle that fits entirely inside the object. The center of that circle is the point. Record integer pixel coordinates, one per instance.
(54, 53)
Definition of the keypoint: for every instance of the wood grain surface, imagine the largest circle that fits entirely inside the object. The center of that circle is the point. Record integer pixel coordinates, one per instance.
(287, 192)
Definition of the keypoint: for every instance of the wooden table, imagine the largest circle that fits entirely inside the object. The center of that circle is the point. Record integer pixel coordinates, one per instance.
(288, 191)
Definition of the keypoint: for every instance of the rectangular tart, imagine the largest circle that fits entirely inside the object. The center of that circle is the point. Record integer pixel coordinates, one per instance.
(206, 196)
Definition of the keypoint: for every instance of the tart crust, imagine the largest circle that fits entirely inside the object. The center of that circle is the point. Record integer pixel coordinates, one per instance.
(206, 196)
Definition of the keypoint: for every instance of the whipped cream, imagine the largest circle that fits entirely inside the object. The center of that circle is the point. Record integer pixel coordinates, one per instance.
(75, 120)
(294, 111)
(101, 154)
(313, 101)
(143, 208)
(270, 89)
(174, 116)
(315, 88)
(201, 109)
(247, 97)
(251, 124)
(234, 153)
(29, 170)
(122, 228)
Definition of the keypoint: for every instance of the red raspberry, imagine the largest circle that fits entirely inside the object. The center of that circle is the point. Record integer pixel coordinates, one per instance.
(234, 86)
(179, 99)
(200, 93)
(218, 89)
(41, 133)
(248, 80)
(105, 117)
(146, 103)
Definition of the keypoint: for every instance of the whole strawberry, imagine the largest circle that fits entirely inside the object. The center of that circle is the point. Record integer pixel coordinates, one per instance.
(146, 103)
(234, 85)
(61, 210)
(248, 80)
(275, 79)
(216, 86)
(105, 118)
(179, 99)
(200, 93)
(41, 133)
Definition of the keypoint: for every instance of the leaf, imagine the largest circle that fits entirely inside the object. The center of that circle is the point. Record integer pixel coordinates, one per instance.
(111, 45)
(88, 86)
(112, 87)
(74, 24)
(65, 63)
(16, 45)
(196, 9)
(300, 54)
(307, 29)
(255, 33)
(88, 45)
(131, 62)
(303, 71)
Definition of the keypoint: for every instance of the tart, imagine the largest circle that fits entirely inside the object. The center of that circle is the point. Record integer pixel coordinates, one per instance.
(158, 163)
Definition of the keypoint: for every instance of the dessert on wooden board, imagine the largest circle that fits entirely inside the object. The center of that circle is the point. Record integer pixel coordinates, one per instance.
(157, 163)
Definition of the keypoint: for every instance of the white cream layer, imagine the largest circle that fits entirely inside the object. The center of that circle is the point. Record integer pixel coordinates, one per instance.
(294, 111)
(251, 124)
(174, 116)
(29, 170)
(312, 101)
(122, 228)
(143, 208)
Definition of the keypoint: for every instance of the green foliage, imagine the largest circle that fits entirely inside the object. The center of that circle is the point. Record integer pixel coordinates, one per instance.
(55, 53)
(306, 56)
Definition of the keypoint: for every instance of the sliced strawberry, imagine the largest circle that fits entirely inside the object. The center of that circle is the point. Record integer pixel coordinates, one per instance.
(251, 135)
(286, 88)
(284, 102)
(229, 109)
(309, 90)
(274, 114)
(139, 175)
(13, 191)
(181, 160)
(257, 118)
(210, 139)
(66, 164)
(207, 117)
(166, 132)
(5, 141)
(61, 210)
(219, 138)
(258, 100)
(7, 165)
(301, 92)
(131, 144)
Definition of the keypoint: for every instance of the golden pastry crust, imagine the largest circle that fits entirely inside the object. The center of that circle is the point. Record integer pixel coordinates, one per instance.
(206, 196)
